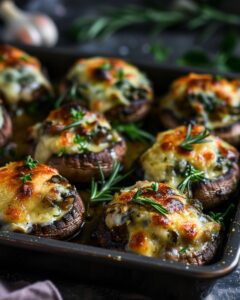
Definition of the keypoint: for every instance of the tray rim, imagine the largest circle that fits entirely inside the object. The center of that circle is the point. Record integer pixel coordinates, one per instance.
(224, 266)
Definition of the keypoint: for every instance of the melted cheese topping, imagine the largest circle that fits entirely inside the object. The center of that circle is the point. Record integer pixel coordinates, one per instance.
(45, 198)
(211, 101)
(92, 134)
(106, 83)
(20, 75)
(166, 160)
(153, 234)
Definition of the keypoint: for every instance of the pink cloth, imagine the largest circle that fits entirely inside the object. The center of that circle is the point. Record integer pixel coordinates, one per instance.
(42, 290)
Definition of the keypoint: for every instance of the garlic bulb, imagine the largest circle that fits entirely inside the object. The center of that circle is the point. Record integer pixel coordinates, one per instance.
(31, 29)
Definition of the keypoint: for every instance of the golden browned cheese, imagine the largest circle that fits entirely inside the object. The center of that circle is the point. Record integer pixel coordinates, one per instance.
(166, 159)
(152, 233)
(109, 82)
(20, 75)
(211, 100)
(42, 198)
(93, 133)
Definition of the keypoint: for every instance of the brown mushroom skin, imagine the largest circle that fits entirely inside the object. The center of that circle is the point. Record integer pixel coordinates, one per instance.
(6, 130)
(85, 166)
(69, 224)
(117, 237)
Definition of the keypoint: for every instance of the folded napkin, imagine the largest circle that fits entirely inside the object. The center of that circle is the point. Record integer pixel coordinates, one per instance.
(41, 290)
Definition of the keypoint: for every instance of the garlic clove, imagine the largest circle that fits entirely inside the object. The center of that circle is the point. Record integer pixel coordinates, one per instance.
(47, 29)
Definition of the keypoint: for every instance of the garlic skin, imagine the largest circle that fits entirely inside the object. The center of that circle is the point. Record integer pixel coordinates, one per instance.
(30, 29)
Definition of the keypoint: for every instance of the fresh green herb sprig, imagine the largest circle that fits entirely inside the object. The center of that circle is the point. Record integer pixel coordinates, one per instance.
(77, 114)
(133, 132)
(221, 216)
(190, 175)
(30, 162)
(81, 141)
(25, 178)
(103, 191)
(190, 140)
(70, 93)
(140, 199)
(183, 250)
(153, 188)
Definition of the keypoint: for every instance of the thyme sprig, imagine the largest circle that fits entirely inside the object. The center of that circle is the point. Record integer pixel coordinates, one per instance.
(140, 199)
(25, 178)
(30, 162)
(190, 140)
(103, 191)
(134, 132)
(221, 216)
(190, 175)
(77, 116)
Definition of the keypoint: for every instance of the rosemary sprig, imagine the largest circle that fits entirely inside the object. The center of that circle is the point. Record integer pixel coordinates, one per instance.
(70, 93)
(190, 140)
(139, 199)
(133, 132)
(220, 216)
(103, 191)
(190, 175)
(30, 162)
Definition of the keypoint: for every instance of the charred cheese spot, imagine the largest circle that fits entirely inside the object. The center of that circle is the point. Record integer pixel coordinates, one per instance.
(92, 134)
(20, 76)
(166, 160)
(213, 102)
(109, 82)
(153, 234)
(39, 201)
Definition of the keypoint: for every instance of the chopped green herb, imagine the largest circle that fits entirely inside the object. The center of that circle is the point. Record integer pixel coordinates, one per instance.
(220, 216)
(106, 66)
(153, 188)
(183, 250)
(82, 142)
(77, 114)
(210, 102)
(30, 162)
(133, 132)
(190, 175)
(120, 75)
(189, 141)
(25, 178)
(61, 152)
(24, 57)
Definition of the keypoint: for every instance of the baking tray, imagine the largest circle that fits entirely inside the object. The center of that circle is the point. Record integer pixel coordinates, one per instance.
(151, 276)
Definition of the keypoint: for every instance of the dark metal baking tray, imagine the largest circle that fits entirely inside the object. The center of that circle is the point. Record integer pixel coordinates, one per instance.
(151, 276)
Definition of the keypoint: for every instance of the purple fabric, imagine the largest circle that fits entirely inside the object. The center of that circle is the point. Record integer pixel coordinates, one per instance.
(41, 290)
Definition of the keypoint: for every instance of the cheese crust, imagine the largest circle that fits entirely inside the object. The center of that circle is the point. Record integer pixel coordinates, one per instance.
(107, 83)
(183, 233)
(21, 79)
(166, 160)
(92, 134)
(42, 199)
(212, 101)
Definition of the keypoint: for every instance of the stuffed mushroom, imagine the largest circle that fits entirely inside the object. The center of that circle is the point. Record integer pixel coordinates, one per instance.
(209, 100)
(154, 219)
(110, 86)
(192, 160)
(77, 142)
(36, 200)
(21, 79)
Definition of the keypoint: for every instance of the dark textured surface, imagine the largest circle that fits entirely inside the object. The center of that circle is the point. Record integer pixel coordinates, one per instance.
(131, 45)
